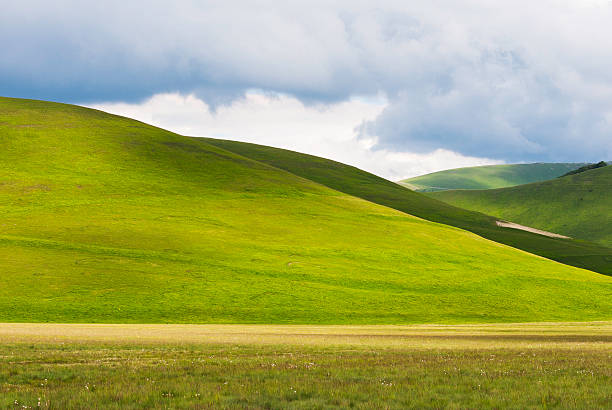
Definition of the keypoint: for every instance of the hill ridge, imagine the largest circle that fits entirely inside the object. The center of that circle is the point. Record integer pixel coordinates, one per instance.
(488, 176)
(353, 181)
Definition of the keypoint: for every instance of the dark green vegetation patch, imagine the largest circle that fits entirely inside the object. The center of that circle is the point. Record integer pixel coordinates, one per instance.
(600, 164)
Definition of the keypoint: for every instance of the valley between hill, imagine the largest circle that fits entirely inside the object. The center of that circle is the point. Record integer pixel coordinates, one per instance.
(577, 205)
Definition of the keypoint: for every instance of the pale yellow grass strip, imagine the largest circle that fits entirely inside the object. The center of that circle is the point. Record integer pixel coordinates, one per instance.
(596, 335)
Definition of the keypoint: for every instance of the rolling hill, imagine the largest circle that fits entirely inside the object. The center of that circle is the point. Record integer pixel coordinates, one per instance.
(488, 176)
(356, 182)
(106, 219)
(579, 206)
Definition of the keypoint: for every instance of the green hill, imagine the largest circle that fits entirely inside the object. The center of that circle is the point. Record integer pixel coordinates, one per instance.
(106, 219)
(577, 205)
(488, 176)
(356, 182)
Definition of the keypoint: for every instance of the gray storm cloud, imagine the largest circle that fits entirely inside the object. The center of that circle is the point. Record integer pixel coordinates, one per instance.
(510, 80)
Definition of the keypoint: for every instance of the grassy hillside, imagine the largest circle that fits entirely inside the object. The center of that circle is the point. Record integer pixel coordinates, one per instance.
(364, 185)
(578, 205)
(105, 219)
(489, 176)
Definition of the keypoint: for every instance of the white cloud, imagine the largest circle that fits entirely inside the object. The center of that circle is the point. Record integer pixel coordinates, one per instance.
(327, 130)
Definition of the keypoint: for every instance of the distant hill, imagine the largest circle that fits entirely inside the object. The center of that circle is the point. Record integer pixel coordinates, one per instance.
(106, 219)
(577, 205)
(488, 176)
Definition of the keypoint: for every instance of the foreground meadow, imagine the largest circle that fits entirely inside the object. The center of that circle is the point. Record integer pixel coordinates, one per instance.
(254, 366)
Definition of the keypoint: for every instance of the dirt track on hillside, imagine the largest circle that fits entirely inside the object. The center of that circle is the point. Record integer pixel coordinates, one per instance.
(512, 225)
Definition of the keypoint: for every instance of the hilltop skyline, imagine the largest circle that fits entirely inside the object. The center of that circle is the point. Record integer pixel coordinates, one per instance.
(395, 88)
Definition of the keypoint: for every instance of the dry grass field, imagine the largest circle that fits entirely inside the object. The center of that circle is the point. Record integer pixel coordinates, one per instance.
(538, 365)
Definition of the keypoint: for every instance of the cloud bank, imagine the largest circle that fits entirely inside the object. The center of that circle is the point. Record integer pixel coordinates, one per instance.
(326, 130)
(509, 80)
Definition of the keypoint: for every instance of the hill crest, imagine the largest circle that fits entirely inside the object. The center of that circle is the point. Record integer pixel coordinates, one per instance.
(488, 176)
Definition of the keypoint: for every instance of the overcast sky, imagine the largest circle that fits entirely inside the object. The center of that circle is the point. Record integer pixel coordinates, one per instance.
(397, 88)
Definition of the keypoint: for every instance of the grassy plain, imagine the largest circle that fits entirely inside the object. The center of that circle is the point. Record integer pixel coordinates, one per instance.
(361, 184)
(578, 205)
(489, 176)
(544, 365)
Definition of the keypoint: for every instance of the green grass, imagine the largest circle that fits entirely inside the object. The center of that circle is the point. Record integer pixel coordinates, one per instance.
(579, 206)
(489, 176)
(356, 182)
(105, 219)
(511, 370)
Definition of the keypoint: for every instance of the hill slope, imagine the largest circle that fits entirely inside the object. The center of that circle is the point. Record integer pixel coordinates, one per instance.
(578, 205)
(488, 176)
(364, 185)
(106, 219)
